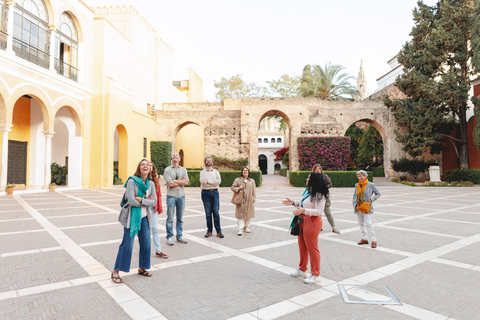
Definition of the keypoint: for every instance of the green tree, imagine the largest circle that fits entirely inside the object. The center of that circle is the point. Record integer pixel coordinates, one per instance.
(329, 83)
(235, 87)
(355, 133)
(476, 65)
(370, 146)
(285, 86)
(436, 78)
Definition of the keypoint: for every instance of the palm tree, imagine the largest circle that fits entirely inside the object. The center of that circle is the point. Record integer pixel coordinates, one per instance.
(329, 83)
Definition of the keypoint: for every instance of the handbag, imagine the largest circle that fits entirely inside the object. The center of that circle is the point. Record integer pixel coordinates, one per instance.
(237, 198)
(363, 206)
(295, 229)
(328, 203)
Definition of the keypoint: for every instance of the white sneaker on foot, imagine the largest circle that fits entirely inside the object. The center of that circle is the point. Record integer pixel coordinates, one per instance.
(247, 229)
(170, 241)
(313, 279)
(182, 240)
(240, 232)
(299, 273)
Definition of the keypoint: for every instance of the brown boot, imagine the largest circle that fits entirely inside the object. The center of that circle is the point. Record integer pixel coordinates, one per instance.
(363, 241)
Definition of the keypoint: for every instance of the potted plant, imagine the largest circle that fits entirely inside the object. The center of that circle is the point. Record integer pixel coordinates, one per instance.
(51, 186)
(10, 187)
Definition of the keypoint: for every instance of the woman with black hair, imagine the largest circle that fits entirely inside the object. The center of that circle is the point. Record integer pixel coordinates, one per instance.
(309, 209)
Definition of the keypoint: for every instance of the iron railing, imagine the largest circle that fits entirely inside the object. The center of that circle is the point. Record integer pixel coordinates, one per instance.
(31, 53)
(3, 40)
(66, 70)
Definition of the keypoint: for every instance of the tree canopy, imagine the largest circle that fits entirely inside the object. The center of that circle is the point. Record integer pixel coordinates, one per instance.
(436, 65)
(236, 87)
(329, 83)
(285, 86)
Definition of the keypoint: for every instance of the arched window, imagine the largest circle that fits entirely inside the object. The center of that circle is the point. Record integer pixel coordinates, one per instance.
(259, 140)
(273, 140)
(66, 48)
(279, 140)
(3, 25)
(31, 34)
(265, 140)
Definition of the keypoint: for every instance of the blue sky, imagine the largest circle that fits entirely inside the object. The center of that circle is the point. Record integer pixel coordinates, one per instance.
(263, 39)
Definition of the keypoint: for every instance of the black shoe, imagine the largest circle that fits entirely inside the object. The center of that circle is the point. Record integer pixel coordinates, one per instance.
(220, 235)
(208, 234)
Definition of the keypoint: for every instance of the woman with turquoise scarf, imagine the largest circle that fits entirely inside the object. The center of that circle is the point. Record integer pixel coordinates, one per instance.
(139, 196)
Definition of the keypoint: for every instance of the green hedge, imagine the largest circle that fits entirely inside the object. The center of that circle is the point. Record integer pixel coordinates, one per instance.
(227, 177)
(161, 154)
(377, 171)
(340, 179)
(463, 175)
(283, 172)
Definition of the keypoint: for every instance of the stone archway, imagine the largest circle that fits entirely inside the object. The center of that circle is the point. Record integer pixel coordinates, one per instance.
(190, 140)
(231, 127)
(120, 151)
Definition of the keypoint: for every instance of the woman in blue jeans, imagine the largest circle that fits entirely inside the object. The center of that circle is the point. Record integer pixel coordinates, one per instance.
(140, 195)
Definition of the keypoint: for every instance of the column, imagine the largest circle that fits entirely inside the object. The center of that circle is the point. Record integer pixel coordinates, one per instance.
(5, 128)
(52, 47)
(48, 157)
(10, 4)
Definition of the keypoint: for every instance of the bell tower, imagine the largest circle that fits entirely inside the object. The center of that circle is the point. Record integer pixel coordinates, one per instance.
(362, 83)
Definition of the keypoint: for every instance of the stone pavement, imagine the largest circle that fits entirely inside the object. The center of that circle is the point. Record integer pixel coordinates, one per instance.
(57, 250)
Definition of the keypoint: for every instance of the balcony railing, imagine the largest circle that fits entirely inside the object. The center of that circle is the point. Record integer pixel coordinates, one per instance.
(3, 40)
(30, 53)
(66, 70)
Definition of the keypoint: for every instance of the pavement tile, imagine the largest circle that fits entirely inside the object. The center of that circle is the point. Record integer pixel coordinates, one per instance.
(469, 254)
(19, 225)
(81, 302)
(26, 241)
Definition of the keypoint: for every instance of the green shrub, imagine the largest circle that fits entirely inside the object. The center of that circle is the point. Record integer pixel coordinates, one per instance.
(378, 171)
(409, 183)
(444, 184)
(340, 179)
(414, 167)
(227, 177)
(283, 172)
(59, 173)
(232, 164)
(466, 183)
(161, 153)
(463, 175)
(396, 180)
(429, 184)
(116, 180)
(454, 183)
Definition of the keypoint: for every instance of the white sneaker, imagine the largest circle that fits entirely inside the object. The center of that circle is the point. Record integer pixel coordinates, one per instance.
(247, 229)
(170, 241)
(240, 232)
(312, 279)
(182, 240)
(299, 273)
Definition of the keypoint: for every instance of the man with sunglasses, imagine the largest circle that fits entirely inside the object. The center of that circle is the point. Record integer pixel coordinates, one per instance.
(176, 178)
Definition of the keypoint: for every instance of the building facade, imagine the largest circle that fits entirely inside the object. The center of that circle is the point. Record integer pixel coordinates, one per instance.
(79, 87)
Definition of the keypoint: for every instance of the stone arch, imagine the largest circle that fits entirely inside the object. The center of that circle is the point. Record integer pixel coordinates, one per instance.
(50, 11)
(67, 144)
(189, 137)
(121, 147)
(74, 108)
(255, 152)
(37, 94)
(383, 134)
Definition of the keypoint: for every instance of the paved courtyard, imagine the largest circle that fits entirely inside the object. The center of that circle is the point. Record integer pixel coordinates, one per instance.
(57, 250)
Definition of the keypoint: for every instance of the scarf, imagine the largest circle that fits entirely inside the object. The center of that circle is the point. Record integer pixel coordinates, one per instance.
(305, 196)
(361, 190)
(136, 212)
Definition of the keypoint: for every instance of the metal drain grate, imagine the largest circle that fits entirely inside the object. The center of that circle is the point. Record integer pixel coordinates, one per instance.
(365, 294)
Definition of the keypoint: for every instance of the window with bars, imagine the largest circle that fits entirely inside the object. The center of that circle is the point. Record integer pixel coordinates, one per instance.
(66, 48)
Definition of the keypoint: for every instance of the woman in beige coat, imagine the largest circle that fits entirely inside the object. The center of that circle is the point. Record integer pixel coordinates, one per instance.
(246, 210)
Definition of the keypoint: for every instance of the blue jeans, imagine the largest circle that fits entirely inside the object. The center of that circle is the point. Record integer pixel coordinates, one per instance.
(211, 203)
(155, 234)
(172, 204)
(124, 256)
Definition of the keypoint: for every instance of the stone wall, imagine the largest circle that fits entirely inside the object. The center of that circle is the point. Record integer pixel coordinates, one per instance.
(232, 127)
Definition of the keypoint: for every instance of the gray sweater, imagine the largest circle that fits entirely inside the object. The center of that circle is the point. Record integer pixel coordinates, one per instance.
(132, 191)
(370, 190)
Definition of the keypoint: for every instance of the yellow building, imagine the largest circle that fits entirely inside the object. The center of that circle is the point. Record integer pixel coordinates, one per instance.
(79, 86)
